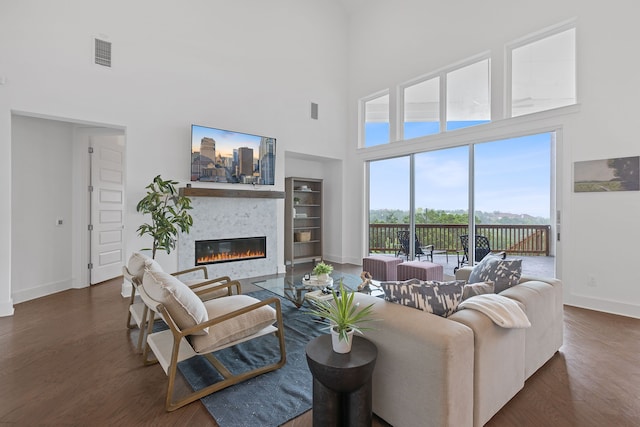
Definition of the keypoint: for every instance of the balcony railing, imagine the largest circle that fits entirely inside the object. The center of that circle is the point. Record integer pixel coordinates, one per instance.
(513, 239)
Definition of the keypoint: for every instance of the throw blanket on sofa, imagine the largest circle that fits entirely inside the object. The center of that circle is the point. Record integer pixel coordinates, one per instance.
(503, 311)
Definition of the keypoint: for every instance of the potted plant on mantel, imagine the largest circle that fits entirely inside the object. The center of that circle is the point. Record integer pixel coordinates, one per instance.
(322, 271)
(343, 317)
(168, 210)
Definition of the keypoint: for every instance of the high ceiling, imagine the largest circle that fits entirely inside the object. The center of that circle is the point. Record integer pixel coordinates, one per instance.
(351, 6)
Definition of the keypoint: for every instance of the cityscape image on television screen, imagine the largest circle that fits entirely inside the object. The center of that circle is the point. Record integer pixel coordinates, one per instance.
(219, 155)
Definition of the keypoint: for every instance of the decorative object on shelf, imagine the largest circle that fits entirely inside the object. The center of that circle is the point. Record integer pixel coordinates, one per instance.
(343, 317)
(302, 236)
(322, 271)
(296, 200)
(169, 212)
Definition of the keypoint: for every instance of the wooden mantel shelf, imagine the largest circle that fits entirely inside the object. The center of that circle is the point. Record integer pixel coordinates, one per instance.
(222, 192)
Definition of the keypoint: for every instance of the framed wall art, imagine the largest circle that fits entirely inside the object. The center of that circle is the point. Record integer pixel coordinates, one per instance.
(617, 174)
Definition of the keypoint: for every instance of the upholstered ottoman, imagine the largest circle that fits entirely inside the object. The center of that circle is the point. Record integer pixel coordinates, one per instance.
(423, 270)
(381, 267)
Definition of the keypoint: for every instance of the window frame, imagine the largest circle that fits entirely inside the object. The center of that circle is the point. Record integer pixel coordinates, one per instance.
(529, 39)
(442, 74)
(362, 117)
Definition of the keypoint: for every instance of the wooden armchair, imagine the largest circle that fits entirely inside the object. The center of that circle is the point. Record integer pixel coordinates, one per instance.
(211, 326)
(204, 287)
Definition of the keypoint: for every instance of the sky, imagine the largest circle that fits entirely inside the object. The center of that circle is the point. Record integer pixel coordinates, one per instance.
(511, 176)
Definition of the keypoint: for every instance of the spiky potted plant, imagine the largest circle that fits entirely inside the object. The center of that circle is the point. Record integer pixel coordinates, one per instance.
(169, 213)
(343, 317)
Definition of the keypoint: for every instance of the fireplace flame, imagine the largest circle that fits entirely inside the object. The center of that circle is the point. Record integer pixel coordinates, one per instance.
(229, 256)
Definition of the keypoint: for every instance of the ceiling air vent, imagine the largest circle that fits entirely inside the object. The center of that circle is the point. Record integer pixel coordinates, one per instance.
(102, 52)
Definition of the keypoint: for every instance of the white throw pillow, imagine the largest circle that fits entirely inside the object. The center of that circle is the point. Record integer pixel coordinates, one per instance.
(183, 305)
(136, 265)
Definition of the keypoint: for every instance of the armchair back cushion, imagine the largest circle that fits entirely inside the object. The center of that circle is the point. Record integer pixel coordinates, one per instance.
(138, 262)
(136, 265)
(184, 306)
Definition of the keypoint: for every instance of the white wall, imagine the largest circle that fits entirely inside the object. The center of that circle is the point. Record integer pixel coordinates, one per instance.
(392, 42)
(246, 65)
(41, 193)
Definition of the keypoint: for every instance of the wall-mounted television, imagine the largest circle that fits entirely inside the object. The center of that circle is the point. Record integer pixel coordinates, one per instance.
(219, 155)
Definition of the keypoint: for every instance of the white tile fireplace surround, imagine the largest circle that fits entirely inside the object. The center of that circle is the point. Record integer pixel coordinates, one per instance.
(228, 218)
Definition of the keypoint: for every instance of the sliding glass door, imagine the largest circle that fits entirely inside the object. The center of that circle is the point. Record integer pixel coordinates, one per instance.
(507, 184)
(389, 203)
(512, 194)
(441, 182)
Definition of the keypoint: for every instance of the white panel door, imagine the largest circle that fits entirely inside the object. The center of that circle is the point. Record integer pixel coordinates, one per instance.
(107, 207)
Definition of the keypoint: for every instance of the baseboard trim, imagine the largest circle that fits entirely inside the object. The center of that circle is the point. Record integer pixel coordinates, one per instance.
(604, 305)
(41, 291)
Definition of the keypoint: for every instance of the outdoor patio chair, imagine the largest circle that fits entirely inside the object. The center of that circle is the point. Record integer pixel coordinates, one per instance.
(482, 249)
(403, 249)
(138, 314)
(199, 327)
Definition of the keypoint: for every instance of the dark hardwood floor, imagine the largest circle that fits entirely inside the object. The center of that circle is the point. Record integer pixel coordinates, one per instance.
(68, 359)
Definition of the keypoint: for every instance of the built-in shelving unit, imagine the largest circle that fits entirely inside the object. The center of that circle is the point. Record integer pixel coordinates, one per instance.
(303, 220)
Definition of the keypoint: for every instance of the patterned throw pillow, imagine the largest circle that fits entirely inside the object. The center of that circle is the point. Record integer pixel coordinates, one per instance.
(473, 289)
(502, 272)
(401, 292)
(440, 298)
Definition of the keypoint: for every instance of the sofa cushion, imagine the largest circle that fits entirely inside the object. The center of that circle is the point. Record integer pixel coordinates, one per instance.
(542, 302)
(502, 272)
(498, 371)
(473, 289)
(182, 303)
(440, 298)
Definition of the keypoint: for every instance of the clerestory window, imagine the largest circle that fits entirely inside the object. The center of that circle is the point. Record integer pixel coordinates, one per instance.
(543, 71)
(376, 120)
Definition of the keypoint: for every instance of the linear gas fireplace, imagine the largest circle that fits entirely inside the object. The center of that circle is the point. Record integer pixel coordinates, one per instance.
(229, 250)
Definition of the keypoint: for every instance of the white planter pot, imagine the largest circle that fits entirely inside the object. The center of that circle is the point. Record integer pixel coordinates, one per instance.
(341, 346)
(323, 278)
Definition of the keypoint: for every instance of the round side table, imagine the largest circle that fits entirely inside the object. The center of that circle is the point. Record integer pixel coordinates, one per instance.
(341, 382)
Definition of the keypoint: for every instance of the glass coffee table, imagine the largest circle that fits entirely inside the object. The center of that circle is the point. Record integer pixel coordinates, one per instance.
(298, 288)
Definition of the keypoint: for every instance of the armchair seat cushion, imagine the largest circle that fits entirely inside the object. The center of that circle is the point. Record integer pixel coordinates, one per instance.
(181, 302)
(235, 328)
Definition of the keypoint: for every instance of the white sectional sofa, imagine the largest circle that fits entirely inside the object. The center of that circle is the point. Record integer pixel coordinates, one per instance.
(459, 371)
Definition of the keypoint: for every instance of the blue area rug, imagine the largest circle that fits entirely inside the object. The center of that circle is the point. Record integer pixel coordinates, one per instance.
(270, 399)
